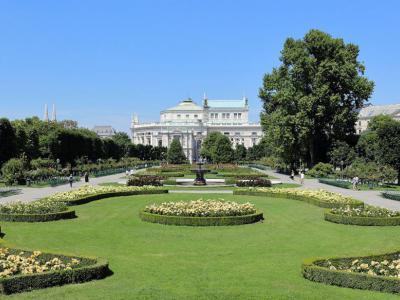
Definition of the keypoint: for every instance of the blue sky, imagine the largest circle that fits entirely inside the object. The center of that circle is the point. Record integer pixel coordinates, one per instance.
(100, 61)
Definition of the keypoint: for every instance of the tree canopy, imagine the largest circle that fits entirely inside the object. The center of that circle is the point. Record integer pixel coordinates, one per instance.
(175, 153)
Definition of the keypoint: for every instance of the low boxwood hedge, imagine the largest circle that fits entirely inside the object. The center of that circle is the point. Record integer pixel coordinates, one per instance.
(89, 269)
(338, 183)
(362, 221)
(313, 271)
(91, 198)
(201, 221)
(310, 200)
(68, 214)
(391, 195)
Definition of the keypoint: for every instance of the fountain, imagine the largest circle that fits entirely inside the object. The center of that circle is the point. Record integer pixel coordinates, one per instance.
(200, 174)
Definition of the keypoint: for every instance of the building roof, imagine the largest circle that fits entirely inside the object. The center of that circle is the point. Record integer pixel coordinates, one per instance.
(103, 129)
(375, 110)
(227, 103)
(186, 105)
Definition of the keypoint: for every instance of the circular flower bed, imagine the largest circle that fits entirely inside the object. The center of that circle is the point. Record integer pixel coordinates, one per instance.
(365, 216)
(201, 213)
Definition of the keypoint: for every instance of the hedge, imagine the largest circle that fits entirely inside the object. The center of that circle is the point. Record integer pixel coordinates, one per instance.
(201, 221)
(338, 183)
(68, 214)
(91, 198)
(391, 195)
(362, 221)
(90, 269)
(310, 200)
(314, 272)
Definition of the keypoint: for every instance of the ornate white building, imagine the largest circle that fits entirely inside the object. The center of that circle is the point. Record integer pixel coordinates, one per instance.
(190, 124)
(367, 113)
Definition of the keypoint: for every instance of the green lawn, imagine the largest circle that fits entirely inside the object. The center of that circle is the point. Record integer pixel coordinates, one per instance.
(153, 261)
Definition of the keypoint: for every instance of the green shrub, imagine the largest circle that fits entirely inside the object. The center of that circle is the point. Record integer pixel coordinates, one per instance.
(14, 170)
(68, 214)
(321, 170)
(391, 195)
(89, 269)
(362, 221)
(144, 180)
(201, 221)
(315, 270)
(254, 183)
(339, 183)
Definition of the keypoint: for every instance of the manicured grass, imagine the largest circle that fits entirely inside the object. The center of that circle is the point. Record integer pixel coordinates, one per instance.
(153, 261)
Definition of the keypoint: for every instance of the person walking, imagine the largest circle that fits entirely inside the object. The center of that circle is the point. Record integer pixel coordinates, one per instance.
(292, 175)
(71, 180)
(354, 182)
(301, 177)
(86, 177)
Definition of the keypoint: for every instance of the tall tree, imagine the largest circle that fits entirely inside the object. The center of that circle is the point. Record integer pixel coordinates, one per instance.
(175, 153)
(240, 152)
(312, 98)
(222, 152)
(208, 145)
(8, 147)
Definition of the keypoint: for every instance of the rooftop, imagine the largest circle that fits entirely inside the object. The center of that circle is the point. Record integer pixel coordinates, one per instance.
(186, 105)
(375, 110)
(227, 103)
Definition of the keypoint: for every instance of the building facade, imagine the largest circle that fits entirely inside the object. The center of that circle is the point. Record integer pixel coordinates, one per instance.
(367, 113)
(104, 131)
(191, 123)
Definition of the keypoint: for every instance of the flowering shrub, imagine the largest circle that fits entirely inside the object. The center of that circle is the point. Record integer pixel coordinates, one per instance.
(371, 266)
(254, 182)
(44, 206)
(202, 208)
(88, 190)
(30, 263)
(319, 195)
(366, 211)
(144, 180)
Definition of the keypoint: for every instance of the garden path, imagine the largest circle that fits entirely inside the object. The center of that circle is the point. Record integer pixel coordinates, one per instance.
(369, 197)
(27, 194)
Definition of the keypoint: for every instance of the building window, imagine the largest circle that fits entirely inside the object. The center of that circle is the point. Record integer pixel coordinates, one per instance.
(178, 116)
(148, 141)
(196, 116)
(235, 115)
(212, 116)
(253, 141)
(254, 133)
(216, 116)
(237, 133)
(187, 116)
(228, 115)
(239, 115)
(159, 143)
(226, 133)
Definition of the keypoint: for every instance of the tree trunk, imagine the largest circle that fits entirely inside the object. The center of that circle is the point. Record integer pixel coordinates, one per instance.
(312, 152)
(398, 177)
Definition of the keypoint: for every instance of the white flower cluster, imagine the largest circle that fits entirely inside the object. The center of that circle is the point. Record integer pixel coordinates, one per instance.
(202, 208)
(88, 190)
(366, 211)
(386, 267)
(12, 264)
(321, 195)
(44, 206)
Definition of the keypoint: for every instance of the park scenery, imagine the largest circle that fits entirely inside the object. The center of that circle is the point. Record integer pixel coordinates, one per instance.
(299, 200)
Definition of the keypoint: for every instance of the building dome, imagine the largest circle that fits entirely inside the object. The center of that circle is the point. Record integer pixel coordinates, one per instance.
(186, 105)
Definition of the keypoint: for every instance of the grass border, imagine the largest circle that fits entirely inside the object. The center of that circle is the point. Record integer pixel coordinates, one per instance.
(314, 201)
(314, 272)
(68, 214)
(96, 268)
(361, 221)
(201, 221)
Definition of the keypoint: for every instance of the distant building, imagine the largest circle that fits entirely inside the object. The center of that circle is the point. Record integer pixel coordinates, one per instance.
(190, 124)
(104, 131)
(367, 113)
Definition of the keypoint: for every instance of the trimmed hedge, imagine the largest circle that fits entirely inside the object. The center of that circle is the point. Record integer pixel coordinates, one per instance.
(362, 221)
(90, 269)
(91, 198)
(339, 183)
(259, 182)
(201, 221)
(391, 195)
(68, 214)
(313, 201)
(314, 272)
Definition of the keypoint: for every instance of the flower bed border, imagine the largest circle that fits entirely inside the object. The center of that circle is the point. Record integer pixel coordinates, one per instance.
(391, 195)
(201, 221)
(361, 221)
(313, 272)
(62, 215)
(97, 268)
(314, 201)
(95, 197)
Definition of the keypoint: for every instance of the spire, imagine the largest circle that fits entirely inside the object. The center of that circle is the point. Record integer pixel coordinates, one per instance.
(246, 101)
(46, 113)
(205, 100)
(54, 115)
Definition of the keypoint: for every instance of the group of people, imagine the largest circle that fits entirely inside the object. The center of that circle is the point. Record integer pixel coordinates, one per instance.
(301, 176)
(71, 178)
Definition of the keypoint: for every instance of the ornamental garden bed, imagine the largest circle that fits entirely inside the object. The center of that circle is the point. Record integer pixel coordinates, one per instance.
(22, 270)
(391, 195)
(87, 193)
(44, 210)
(377, 272)
(319, 198)
(363, 216)
(201, 213)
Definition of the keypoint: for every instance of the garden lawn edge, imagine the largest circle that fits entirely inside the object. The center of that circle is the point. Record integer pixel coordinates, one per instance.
(68, 214)
(97, 268)
(320, 274)
(314, 201)
(201, 221)
(361, 221)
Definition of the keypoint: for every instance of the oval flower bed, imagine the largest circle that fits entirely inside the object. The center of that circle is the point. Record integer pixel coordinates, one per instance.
(378, 272)
(25, 270)
(36, 211)
(89, 193)
(364, 216)
(201, 213)
(320, 198)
